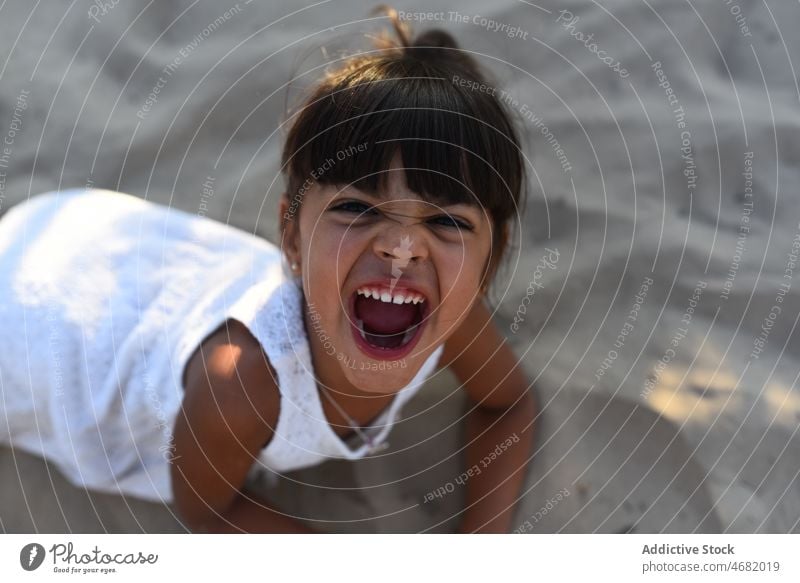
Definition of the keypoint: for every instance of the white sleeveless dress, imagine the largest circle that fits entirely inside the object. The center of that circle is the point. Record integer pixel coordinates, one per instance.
(103, 299)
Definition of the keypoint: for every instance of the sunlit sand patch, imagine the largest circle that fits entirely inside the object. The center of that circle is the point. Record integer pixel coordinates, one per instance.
(783, 403)
(699, 397)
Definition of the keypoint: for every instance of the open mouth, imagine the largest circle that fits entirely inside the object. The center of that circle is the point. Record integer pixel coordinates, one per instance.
(387, 322)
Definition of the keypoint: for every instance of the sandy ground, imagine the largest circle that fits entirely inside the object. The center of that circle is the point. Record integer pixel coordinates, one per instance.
(668, 377)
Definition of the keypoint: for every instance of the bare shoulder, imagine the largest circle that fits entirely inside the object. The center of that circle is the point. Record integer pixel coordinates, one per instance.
(231, 366)
(234, 359)
(229, 412)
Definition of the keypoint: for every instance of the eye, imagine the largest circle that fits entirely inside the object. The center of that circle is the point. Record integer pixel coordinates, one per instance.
(450, 221)
(354, 207)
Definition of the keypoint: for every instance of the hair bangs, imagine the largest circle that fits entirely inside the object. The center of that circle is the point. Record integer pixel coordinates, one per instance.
(455, 146)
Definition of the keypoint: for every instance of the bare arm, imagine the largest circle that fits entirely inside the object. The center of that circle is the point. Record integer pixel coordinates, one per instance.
(492, 494)
(500, 426)
(229, 410)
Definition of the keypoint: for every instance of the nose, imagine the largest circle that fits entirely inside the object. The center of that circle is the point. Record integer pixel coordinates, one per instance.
(401, 244)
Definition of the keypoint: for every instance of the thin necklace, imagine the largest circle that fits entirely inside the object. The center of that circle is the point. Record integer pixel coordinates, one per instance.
(372, 447)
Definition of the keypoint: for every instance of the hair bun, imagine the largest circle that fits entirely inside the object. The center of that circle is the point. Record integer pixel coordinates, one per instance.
(431, 45)
(427, 44)
(440, 46)
(435, 38)
(434, 44)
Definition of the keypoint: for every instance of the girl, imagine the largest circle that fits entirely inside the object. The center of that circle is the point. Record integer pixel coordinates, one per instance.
(168, 356)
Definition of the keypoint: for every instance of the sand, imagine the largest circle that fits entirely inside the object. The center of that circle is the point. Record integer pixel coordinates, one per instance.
(658, 328)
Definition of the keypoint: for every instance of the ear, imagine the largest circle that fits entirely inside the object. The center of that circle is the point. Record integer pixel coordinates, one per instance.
(289, 229)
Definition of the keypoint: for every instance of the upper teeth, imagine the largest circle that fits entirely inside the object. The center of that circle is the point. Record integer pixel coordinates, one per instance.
(385, 295)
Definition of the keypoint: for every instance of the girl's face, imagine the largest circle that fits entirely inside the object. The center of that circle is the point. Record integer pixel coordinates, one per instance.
(386, 280)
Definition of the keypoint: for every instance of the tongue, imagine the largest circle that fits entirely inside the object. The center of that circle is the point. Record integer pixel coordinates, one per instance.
(384, 318)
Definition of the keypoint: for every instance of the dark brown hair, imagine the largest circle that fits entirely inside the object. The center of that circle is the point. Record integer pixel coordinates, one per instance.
(457, 142)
